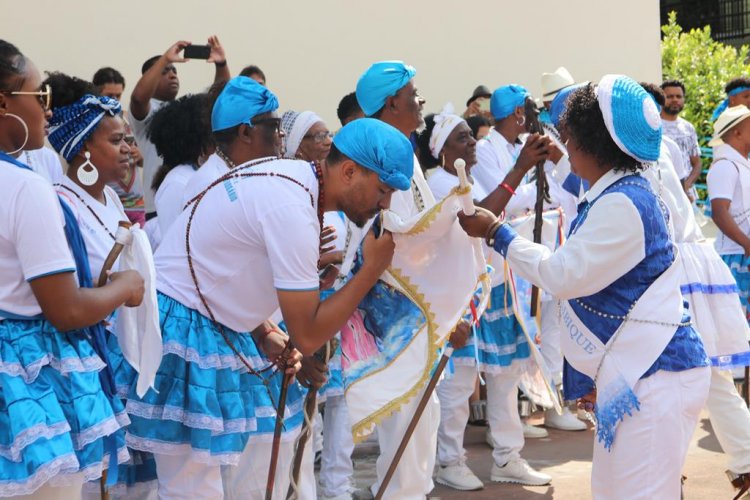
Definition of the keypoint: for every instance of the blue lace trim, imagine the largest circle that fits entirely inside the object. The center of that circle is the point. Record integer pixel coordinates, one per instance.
(613, 403)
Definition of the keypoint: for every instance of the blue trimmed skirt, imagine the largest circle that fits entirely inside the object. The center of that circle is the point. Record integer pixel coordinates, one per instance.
(738, 265)
(499, 341)
(55, 419)
(205, 402)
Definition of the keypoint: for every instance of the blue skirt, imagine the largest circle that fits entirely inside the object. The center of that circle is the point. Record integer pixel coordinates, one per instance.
(55, 419)
(206, 403)
(738, 265)
(499, 340)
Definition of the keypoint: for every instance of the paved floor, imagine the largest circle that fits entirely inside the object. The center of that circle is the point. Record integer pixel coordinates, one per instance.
(566, 456)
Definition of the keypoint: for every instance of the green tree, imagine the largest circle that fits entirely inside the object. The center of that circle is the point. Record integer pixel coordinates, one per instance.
(704, 66)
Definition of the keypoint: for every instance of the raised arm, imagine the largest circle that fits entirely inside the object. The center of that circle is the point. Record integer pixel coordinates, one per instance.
(146, 87)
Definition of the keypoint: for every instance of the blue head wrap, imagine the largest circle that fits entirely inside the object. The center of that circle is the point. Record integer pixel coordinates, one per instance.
(379, 147)
(723, 105)
(560, 102)
(381, 81)
(506, 99)
(631, 116)
(72, 125)
(242, 99)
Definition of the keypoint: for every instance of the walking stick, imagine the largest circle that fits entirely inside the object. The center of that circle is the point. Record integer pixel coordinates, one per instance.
(468, 208)
(277, 436)
(746, 387)
(324, 354)
(108, 263)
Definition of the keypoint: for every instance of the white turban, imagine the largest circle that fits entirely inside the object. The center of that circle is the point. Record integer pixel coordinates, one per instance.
(295, 126)
(445, 122)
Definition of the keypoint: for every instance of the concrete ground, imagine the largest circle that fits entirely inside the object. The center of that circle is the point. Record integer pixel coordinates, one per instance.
(566, 456)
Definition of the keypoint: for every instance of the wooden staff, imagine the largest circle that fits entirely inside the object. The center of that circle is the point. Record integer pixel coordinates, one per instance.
(324, 355)
(468, 208)
(277, 435)
(114, 254)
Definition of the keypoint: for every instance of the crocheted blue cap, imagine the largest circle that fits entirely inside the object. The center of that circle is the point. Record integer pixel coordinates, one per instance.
(631, 116)
(379, 147)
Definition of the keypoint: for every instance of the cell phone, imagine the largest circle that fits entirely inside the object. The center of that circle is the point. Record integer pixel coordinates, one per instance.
(484, 104)
(197, 52)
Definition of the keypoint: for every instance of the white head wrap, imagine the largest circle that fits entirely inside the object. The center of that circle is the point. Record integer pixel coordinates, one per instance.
(295, 126)
(445, 122)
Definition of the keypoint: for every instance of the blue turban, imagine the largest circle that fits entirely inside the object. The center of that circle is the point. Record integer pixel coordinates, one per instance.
(381, 81)
(506, 99)
(72, 125)
(560, 103)
(379, 147)
(242, 99)
(631, 117)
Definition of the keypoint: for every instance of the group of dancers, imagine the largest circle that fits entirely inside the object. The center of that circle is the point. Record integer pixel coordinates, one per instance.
(162, 372)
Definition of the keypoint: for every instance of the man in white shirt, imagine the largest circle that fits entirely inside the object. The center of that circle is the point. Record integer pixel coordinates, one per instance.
(683, 133)
(159, 84)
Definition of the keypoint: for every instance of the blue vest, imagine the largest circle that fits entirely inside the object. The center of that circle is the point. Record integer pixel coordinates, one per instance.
(685, 350)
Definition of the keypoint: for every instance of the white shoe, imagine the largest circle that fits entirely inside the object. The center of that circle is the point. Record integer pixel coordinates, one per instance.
(519, 471)
(534, 432)
(458, 477)
(565, 422)
(581, 414)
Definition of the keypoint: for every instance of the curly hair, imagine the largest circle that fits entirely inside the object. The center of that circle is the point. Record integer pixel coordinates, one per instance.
(67, 89)
(181, 133)
(426, 160)
(584, 122)
(656, 92)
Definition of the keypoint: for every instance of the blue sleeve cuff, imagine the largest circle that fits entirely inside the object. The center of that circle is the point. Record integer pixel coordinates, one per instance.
(503, 237)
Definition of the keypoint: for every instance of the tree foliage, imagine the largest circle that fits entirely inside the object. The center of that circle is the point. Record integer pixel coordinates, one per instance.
(704, 65)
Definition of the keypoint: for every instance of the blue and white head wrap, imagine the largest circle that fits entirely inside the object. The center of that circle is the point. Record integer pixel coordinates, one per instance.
(379, 147)
(506, 99)
(631, 116)
(240, 101)
(723, 105)
(381, 81)
(72, 125)
(560, 103)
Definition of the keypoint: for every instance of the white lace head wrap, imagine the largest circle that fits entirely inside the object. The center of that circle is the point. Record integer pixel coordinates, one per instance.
(295, 126)
(445, 122)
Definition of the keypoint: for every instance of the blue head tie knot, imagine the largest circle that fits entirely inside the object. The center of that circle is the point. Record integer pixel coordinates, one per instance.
(506, 99)
(240, 101)
(72, 125)
(379, 147)
(382, 80)
(560, 103)
(631, 116)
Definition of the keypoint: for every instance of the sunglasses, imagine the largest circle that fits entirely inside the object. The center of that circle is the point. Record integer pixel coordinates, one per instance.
(319, 137)
(44, 95)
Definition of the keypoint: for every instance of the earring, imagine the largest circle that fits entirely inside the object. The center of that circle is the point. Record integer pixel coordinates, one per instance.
(25, 129)
(522, 121)
(87, 177)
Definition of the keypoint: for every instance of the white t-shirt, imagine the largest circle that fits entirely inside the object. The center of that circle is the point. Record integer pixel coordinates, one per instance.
(45, 162)
(97, 236)
(169, 198)
(32, 238)
(151, 159)
(249, 237)
(729, 179)
(212, 169)
(441, 182)
(683, 133)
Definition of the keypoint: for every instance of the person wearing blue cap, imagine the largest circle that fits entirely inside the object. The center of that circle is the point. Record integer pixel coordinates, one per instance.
(246, 246)
(632, 354)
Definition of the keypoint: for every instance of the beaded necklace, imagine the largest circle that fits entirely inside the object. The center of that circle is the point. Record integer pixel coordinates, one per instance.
(80, 198)
(236, 174)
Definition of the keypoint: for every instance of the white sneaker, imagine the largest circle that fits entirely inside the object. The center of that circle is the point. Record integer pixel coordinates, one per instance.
(519, 471)
(458, 477)
(565, 422)
(534, 432)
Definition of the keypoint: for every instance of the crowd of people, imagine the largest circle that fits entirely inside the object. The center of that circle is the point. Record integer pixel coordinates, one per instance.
(171, 270)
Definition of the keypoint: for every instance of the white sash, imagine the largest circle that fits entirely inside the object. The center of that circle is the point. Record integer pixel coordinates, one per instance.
(617, 366)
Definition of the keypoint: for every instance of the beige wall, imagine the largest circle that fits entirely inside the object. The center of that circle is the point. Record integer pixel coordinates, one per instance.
(313, 51)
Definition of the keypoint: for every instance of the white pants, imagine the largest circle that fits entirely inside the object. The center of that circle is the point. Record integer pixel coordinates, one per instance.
(336, 467)
(413, 476)
(48, 492)
(649, 450)
(550, 335)
(181, 477)
(502, 414)
(730, 419)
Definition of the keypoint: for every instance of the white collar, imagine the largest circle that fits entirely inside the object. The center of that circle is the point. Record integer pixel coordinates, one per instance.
(727, 152)
(603, 183)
